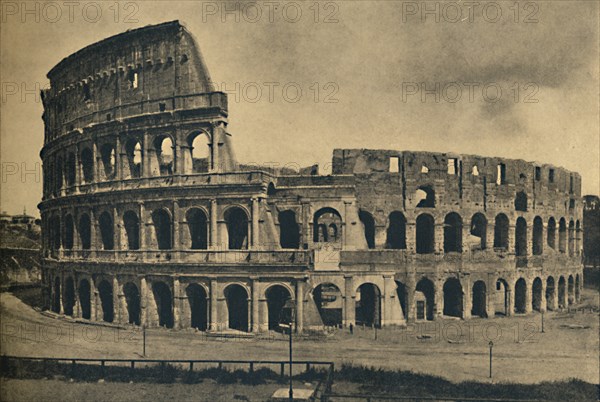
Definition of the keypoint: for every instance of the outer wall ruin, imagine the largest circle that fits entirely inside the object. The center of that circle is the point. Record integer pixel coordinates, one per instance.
(148, 218)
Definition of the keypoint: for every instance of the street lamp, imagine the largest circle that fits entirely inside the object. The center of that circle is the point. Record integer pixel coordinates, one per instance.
(289, 305)
(491, 345)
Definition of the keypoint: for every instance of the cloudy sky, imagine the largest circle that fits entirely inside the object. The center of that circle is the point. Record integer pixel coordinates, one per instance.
(517, 80)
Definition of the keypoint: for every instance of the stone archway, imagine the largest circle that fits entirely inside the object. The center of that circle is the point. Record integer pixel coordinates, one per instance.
(236, 298)
(368, 305)
(479, 299)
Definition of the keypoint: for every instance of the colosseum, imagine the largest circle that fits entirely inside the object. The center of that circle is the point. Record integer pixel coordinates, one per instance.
(149, 219)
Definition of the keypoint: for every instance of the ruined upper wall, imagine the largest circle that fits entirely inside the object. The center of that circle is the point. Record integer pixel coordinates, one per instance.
(152, 69)
(458, 180)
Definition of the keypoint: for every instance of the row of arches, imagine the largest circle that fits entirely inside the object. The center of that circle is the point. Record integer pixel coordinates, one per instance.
(236, 223)
(236, 296)
(126, 160)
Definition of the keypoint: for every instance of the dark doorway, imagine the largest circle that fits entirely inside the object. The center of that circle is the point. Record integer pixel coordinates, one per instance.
(502, 302)
(132, 229)
(56, 298)
(164, 304)
(106, 300)
(453, 233)
(368, 305)
(426, 287)
(396, 232)
(550, 293)
(501, 232)
(162, 227)
(328, 299)
(521, 237)
(198, 300)
(237, 228)
(85, 299)
(479, 299)
(562, 287)
(479, 229)
(85, 231)
(198, 226)
(520, 296)
(69, 297)
(425, 234)
(289, 231)
(538, 236)
(368, 227)
(132, 298)
(536, 295)
(107, 231)
(453, 298)
(237, 307)
(277, 295)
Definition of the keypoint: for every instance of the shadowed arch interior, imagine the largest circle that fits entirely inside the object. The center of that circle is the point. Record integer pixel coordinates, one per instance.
(368, 305)
(106, 231)
(479, 299)
(289, 230)
(277, 295)
(236, 221)
(132, 229)
(106, 299)
(236, 298)
(85, 300)
(328, 299)
(501, 232)
(368, 224)
(453, 298)
(425, 286)
(162, 229)
(164, 304)
(452, 233)
(132, 299)
(520, 296)
(396, 231)
(85, 231)
(69, 296)
(198, 300)
(425, 234)
(198, 227)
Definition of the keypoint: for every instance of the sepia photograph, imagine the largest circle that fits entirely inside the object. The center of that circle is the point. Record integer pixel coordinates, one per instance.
(300, 200)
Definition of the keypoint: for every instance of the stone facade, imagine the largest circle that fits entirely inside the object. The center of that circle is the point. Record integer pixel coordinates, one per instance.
(148, 218)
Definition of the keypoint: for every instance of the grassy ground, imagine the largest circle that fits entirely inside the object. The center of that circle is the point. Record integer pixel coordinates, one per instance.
(452, 349)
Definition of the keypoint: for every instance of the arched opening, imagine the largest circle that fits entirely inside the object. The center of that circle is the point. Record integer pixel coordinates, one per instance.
(520, 296)
(452, 233)
(571, 289)
(107, 231)
(162, 229)
(402, 295)
(200, 150)
(425, 234)
(59, 175)
(106, 300)
(536, 295)
(368, 224)
(164, 153)
(198, 300)
(327, 225)
(85, 299)
(577, 288)
(85, 231)
(578, 238)
(237, 306)
(56, 298)
(571, 238)
(562, 290)
(453, 298)
(164, 304)
(328, 300)
(198, 227)
(479, 299)
(368, 305)
(55, 233)
(521, 237)
(68, 233)
(502, 302)
(479, 230)
(501, 232)
(133, 149)
(521, 201)
(550, 293)
(107, 154)
(425, 197)
(87, 165)
(277, 295)
(538, 236)
(396, 232)
(69, 297)
(424, 306)
(551, 233)
(132, 229)
(289, 230)
(70, 169)
(132, 298)
(562, 235)
(236, 221)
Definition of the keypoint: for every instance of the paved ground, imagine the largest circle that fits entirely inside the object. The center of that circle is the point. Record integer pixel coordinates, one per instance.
(454, 349)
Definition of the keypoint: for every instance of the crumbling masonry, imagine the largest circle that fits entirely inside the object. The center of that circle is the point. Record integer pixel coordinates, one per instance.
(148, 218)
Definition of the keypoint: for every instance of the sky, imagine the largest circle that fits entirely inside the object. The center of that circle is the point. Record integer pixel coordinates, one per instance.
(510, 79)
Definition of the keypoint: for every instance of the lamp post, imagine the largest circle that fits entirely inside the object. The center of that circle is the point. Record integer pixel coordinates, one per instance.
(289, 305)
(491, 346)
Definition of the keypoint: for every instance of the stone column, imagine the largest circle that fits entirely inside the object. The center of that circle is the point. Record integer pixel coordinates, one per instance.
(509, 308)
(118, 297)
(466, 297)
(438, 307)
(116, 231)
(544, 302)
(438, 237)
(411, 237)
(410, 298)
(176, 226)
(529, 235)
(306, 226)
(255, 301)
(146, 156)
(143, 302)
(349, 302)
(215, 137)
(511, 238)
(345, 225)
(142, 212)
(490, 307)
(118, 159)
(213, 305)
(93, 300)
(77, 169)
(93, 230)
(299, 306)
(489, 236)
(263, 313)
(255, 224)
(214, 238)
(176, 303)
